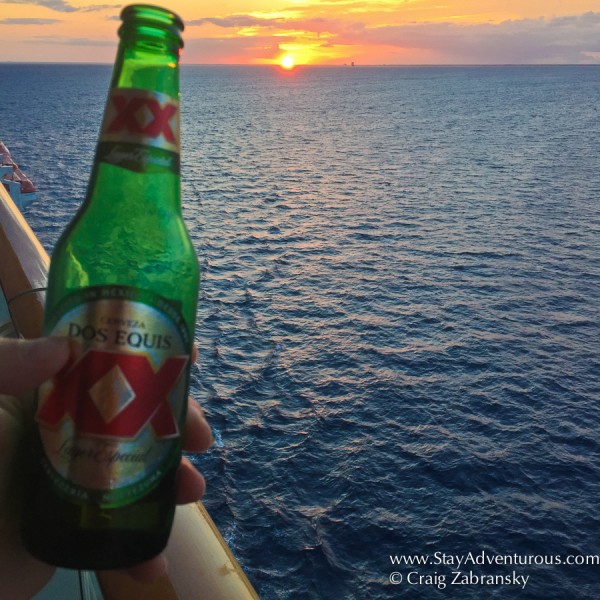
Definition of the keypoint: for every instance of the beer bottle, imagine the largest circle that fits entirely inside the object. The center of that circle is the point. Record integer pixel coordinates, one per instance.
(123, 282)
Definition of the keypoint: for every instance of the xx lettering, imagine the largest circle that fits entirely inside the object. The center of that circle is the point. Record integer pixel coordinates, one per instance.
(70, 396)
(127, 117)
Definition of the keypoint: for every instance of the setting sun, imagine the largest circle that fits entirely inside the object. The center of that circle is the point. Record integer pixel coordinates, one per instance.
(287, 61)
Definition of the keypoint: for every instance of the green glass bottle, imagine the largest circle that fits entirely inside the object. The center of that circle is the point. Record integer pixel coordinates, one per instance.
(124, 283)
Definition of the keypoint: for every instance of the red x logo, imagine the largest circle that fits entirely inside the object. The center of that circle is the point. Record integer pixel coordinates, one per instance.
(75, 395)
(128, 117)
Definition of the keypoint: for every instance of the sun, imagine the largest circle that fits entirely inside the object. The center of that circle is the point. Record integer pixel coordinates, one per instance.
(287, 61)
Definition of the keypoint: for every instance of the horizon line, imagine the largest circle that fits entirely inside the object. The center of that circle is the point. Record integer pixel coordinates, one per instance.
(350, 64)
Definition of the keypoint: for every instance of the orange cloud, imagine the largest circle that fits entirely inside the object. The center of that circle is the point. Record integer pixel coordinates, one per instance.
(62, 6)
(566, 39)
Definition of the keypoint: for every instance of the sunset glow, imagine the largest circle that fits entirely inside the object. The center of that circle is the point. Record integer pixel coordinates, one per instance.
(313, 32)
(287, 61)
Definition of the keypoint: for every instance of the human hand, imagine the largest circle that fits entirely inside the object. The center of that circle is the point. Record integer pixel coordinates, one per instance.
(25, 364)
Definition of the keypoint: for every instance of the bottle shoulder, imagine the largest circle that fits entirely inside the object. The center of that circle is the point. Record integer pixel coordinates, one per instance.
(162, 261)
(118, 242)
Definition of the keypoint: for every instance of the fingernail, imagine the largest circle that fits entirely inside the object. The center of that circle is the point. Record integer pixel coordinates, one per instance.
(207, 424)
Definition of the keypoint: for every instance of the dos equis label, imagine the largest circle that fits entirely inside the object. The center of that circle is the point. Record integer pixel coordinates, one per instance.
(140, 131)
(110, 422)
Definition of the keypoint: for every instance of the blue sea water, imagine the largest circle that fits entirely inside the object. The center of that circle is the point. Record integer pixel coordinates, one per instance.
(399, 317)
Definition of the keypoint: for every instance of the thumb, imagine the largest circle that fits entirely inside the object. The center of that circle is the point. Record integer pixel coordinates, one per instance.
(24, 364)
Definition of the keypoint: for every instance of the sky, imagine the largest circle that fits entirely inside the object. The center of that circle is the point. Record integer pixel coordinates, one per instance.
(364, 32)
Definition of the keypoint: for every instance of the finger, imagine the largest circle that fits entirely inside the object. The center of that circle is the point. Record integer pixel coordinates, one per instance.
(197, 434)
(190, 485)
(150, 570)
(28, 363)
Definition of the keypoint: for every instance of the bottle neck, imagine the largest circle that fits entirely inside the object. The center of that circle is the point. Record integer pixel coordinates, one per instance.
(149, 49)
(138, 147)
(148, 65)
(137, 157)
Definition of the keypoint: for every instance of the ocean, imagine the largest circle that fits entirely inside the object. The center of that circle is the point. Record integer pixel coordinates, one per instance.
(399, 316)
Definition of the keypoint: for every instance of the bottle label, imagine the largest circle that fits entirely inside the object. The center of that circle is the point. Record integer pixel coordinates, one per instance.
(140, 131)
(110, 421)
